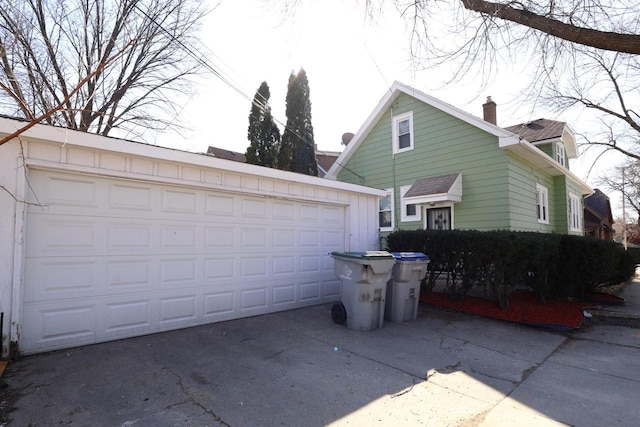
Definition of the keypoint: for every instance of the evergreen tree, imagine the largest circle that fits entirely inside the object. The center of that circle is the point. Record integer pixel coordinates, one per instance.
(297, 152)
(263, 134)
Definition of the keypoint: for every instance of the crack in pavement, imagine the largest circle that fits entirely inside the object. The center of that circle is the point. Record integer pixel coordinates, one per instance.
(190, 398)
(479, 418)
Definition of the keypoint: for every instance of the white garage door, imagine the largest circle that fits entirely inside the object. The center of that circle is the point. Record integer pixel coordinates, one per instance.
(108, 258)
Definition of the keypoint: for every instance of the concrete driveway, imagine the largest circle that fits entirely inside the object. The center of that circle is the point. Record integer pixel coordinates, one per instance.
(297, 368)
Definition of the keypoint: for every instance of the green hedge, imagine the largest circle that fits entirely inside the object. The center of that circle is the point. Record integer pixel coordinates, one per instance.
(496, 262)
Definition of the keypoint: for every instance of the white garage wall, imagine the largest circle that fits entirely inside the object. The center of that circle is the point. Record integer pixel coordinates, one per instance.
(180, 178)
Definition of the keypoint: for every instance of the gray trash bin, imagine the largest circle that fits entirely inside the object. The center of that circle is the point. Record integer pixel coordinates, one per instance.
(364, 277)
(403, 290)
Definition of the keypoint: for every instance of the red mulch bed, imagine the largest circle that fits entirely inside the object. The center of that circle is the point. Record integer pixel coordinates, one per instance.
(525, 307)
(605, 299)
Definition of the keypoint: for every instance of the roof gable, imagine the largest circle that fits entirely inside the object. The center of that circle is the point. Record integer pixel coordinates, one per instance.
(325, 159)
(546, 131)
(504, 136)
(599, 204)
(507, 139)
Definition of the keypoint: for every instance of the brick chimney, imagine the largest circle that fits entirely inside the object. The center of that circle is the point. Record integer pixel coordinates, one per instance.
(489, 111)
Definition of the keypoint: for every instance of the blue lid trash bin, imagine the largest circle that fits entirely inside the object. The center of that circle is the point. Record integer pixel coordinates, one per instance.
(403, 290)
(364, 277)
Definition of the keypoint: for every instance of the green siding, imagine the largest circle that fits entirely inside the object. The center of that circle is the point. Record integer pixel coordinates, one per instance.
(499, 189)
(549, 149)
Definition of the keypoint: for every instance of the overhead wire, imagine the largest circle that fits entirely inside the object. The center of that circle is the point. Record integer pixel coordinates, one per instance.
(219, 74)
(262, 104)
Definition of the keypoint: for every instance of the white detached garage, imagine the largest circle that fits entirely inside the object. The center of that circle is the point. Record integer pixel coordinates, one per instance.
(120, 239)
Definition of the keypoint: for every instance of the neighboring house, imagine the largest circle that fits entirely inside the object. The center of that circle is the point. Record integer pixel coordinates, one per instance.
(325, 158)
(226, 154)
(443, 168)
(598, 221)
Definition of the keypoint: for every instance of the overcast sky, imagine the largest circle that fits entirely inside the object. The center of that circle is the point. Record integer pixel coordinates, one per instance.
(350, 60)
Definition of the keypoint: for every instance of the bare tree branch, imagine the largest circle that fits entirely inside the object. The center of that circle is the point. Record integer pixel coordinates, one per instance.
(64, 102)
(47, 46)
(605, 40)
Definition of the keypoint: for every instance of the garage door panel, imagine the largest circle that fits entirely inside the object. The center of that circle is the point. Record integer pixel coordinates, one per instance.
(284, 264)
(332, 288)
(220, 237)
(54, 234)
(284, 294)
(119, 258)
(59, 278)
(129, 236)
(128, 197)
(58, 325)
(177, 309)
(219, 268)
(253, 208)
(218, 304)
(179, 201)
(333, 215)
(253, 298)
(129, 274)
(124, 318)
(220, 205)
(76, 192)
(310, 291)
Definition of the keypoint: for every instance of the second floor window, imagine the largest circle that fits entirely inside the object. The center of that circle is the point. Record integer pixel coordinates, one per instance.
(403, 132)
(560, 153)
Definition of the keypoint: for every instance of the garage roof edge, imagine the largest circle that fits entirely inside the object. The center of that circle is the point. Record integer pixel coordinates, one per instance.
(66, 136)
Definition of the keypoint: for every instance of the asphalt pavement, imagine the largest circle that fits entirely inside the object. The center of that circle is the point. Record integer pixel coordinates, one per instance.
(298, 368)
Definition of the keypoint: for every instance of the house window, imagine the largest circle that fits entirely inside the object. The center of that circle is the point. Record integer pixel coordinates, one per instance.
(574, 212)
(542, 203)
(410, 211)
(439, 219)
(403, 132)
(385, 211)
(560, 153)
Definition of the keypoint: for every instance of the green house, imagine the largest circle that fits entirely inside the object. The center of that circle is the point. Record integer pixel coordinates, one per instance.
(444, 168)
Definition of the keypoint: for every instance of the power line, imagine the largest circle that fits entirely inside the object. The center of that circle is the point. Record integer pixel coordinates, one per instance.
(262, 105)
(219, 74)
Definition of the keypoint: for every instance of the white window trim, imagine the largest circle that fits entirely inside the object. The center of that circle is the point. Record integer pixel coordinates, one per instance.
(394, 123)
(403, 207)
(392, 197)
(575, 216)
(437, 206)
(560, 153)
(542, 192)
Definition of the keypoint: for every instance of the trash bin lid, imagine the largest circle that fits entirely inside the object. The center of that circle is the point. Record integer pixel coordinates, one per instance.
(410, 256)
(364, 255)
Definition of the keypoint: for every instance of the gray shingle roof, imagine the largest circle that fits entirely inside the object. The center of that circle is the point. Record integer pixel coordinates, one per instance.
(434, 185)
(226, 154)
(538, 130)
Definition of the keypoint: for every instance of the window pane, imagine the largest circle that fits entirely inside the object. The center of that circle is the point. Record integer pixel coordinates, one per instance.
(403, 127)
(404, 141)
(385, 219)
(411, 210)
(385, 203)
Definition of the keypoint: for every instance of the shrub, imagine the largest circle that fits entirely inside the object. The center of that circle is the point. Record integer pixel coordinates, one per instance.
(553, 266)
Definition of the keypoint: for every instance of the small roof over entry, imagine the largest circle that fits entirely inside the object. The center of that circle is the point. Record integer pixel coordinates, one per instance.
(437, 189)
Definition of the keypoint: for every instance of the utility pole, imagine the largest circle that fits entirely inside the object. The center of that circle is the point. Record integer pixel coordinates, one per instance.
(624, 215)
